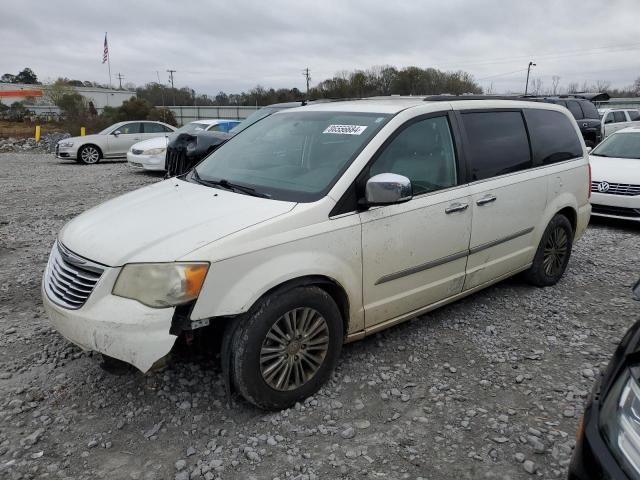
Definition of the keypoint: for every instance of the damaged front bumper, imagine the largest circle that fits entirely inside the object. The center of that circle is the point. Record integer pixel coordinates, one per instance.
(115, 326)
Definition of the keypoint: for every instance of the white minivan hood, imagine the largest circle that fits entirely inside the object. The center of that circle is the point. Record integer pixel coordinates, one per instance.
(163, 222)
(615, 170)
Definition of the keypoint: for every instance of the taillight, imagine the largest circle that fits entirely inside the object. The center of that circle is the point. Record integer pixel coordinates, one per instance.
(589, 186)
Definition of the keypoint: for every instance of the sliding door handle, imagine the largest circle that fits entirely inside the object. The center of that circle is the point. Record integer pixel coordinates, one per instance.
(486, 199)
(456, 207)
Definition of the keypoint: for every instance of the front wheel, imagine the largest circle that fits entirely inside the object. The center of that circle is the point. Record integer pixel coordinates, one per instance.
(553, 253)
(287, 347)
(89, 155)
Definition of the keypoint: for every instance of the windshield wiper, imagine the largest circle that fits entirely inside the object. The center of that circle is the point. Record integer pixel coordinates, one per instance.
(226, 184)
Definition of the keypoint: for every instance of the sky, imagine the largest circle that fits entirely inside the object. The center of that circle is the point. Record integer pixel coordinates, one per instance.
(233, 46)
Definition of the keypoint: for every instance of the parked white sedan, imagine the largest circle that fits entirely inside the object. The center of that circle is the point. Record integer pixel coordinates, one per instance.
(112, 142)
(150, 154)
(615, 173)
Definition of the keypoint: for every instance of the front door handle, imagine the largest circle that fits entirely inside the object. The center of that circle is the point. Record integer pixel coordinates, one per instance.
(486, 199)
(456, 207)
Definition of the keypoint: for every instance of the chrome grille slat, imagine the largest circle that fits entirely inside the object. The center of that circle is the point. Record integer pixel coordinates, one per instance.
(69, 280)
(626, 189)
(60, 273)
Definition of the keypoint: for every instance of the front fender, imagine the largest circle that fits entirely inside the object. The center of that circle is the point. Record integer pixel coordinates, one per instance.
(233, 285)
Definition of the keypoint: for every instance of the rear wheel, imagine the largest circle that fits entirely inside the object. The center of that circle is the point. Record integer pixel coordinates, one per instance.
(89, 154)
(287, 347)
(553, 253)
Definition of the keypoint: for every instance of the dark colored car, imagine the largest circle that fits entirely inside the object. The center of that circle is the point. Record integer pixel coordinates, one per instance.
(187, 149)
(608, 443)
(583, 110)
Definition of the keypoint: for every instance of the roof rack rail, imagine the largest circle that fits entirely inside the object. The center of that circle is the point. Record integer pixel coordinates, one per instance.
(450, 98)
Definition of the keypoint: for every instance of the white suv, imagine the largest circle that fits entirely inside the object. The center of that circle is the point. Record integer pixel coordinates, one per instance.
(617, 119)
(321, 225)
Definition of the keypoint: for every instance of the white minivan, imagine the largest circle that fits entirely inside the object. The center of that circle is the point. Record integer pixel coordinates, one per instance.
(320, 225)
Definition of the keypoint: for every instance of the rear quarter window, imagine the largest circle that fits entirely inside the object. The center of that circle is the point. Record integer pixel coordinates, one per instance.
(497, 143)
(574, 108)
(553, 138)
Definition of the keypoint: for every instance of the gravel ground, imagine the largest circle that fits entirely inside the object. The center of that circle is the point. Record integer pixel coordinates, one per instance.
(489, 387)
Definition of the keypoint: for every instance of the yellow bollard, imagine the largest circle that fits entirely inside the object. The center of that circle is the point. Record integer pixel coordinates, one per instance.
(37, 133)
(83, 131)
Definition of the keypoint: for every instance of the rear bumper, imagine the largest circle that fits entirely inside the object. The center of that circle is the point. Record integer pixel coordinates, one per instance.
(115, 326)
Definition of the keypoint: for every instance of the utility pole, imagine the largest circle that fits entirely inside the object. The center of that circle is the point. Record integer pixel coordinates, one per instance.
(307, 74)
(171, 72)
(526, 87)
(120, 77)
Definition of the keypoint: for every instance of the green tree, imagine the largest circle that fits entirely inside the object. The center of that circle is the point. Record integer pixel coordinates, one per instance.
(27, 76)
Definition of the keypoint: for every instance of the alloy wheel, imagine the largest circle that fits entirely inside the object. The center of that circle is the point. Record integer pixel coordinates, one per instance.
(555, 252)
(294, 349)
(90, 155)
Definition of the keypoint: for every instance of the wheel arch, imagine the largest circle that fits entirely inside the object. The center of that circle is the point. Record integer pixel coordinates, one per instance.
(91, 145)
(571, 215)
(331, 286)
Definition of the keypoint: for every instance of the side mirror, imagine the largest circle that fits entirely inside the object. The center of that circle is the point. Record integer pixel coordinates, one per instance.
(636, 291)
(388, 189)
(116, 133)
(589, 149)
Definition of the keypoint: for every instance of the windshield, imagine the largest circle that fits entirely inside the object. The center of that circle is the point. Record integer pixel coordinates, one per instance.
(293, 156)
(619, 145)
(192, 128)
(253, 118)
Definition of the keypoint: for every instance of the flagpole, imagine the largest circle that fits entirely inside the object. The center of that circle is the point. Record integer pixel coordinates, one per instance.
(108, 62)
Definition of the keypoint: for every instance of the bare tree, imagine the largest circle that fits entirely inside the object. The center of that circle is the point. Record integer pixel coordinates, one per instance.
(536, 86)
(555, 82)
(602, 85)
(490, 90)
(573, 87)
(636, 86)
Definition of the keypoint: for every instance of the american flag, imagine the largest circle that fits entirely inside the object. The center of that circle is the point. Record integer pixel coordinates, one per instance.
(105, 54)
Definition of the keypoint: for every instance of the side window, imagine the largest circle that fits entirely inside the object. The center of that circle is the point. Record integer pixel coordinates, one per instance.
(609, 118)
(130, 128)
(153, 128)
(498, 143)
(167, 129)
(422, 152)
(574, 108)
(553, 138)
(215, 128)
(619, 117)
(634, 115)
(589, 109)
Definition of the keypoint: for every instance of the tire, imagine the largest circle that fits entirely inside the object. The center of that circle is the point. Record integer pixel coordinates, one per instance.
(273, 369)
(89, 154)
(553, 253)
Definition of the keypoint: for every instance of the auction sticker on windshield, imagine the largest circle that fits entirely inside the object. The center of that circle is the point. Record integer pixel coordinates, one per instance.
(345, 129)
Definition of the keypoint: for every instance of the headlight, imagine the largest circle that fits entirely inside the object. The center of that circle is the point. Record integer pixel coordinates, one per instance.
(620, 421)
(66, 144)
(161, 285)
(154, 151)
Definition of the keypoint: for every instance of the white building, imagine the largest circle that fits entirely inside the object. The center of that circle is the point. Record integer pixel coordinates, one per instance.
(35, 95)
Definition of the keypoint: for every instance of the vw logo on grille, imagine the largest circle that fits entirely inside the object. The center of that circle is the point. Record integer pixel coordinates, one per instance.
(603, 187)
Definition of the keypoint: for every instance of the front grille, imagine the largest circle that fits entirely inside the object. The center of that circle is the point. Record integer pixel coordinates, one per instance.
(176, 161)
(135, 151)
(626, 189)
(69, 279)
(618, 211)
